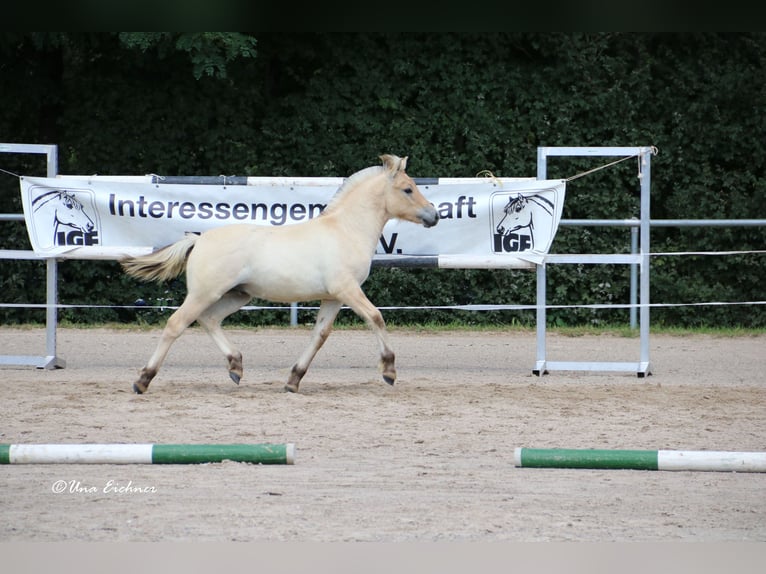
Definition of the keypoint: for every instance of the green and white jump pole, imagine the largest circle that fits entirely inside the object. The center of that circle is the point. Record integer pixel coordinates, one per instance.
(145, 453)
(720, 461)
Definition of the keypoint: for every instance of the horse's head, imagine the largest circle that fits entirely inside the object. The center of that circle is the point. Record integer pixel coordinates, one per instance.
(68, 210)
(514, 216)
(403, 198)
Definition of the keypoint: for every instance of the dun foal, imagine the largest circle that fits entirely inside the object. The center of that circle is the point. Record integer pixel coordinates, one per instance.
(326, 258)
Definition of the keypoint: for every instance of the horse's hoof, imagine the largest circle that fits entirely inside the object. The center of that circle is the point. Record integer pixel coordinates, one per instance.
(138, 390)
(389, 380)
(234, 377)
(291, 388)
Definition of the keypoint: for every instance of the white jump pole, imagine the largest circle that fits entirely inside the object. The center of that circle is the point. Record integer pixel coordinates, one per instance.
(145, 453)
(701, 460)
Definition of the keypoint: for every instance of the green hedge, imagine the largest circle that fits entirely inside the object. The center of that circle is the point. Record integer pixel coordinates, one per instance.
(329, 104)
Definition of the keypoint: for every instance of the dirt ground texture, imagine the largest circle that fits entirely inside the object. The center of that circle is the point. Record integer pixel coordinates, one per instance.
(428, 459)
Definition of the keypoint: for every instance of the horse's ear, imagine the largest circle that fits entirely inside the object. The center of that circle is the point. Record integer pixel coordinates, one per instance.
(389, 162)
(393, 163)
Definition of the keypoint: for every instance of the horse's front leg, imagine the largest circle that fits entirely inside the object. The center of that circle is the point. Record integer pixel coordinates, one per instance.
(362, 306)
(328, 310)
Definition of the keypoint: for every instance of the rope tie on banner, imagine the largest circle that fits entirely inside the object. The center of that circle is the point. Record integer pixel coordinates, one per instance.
(225, 178)
(641, 164)
(156, 179)
(10, 173)
(488, 174)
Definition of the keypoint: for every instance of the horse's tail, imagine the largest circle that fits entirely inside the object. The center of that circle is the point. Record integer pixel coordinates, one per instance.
(162, 265)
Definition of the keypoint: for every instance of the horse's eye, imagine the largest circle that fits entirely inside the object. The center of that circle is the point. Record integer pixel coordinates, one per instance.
(407, 190)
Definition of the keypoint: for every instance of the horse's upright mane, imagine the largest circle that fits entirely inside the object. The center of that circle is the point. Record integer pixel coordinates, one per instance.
(352, 182)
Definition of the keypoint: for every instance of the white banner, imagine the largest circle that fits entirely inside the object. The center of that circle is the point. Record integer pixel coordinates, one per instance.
(103, 217)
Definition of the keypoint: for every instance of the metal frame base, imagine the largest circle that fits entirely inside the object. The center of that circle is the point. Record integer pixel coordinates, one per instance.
(641, 369)
(49, 362)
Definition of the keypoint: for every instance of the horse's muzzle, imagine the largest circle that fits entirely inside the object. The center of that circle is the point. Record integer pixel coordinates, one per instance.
(429, 217)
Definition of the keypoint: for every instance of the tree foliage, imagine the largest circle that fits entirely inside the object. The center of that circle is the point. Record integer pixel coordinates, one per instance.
(329, 104)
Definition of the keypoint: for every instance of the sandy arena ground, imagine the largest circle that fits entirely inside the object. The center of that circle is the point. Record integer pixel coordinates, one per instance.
(429, 459)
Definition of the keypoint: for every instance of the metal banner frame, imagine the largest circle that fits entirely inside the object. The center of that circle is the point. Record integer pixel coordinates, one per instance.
(50, 360)
(642, 366)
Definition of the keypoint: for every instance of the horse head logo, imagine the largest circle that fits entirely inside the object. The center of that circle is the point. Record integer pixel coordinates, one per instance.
(65, 212)
(519, 214)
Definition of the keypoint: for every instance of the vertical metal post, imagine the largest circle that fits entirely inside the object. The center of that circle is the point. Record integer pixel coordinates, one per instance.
(541, 319)
(51, 313)
(540, 368)
(646, 178)
(52, 157)
(633, 278)
(51, 286)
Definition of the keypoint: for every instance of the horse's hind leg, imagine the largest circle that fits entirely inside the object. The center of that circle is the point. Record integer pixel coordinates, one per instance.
(211, 319)
(328, 310)
(184, 316)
